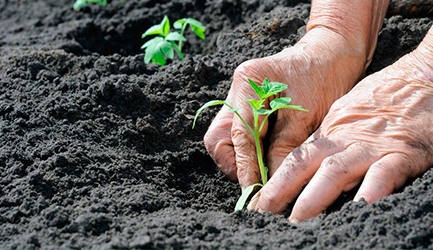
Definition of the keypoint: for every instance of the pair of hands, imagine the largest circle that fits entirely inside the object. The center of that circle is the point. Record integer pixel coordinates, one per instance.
(378, 133)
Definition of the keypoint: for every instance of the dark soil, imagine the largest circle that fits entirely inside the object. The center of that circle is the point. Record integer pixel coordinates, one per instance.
(97, 150)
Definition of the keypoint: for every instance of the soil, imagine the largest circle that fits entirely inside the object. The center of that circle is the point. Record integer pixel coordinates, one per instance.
(97, 150)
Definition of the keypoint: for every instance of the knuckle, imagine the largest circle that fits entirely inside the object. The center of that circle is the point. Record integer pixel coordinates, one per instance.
(268, 197)
(240, 136)
(332, 167)
(382, 174)
(410, 168)
(385, 170)
(208, 136)
(245, 68)
(298, 158)
(210, 141)
(272, 201)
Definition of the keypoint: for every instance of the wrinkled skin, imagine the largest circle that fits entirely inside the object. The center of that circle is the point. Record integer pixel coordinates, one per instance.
(319, 69)
(380, 131)
(308, 75)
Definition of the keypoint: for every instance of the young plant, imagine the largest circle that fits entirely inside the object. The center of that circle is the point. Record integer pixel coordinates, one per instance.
(266, 90)
(81, 3)
(164, 45)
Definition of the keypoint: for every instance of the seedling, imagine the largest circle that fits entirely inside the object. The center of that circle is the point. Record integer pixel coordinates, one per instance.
(265, 91)
(164, 45)
(81, 3)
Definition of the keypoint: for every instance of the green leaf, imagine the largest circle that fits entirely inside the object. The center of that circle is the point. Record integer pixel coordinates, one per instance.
(255, 104)
(279, 102)
(209, 104)
(156, 48)
(152, 42)
(235, 109)
(102, 2)
(168, 51)
(257, 89)
(295, 108)
(149, 52)
(197, 27)
(194, 23)
(291, 107)
(154, 30)
(79, 4)
(161, 29)
(272, 88)
(264, 111)
(165, 26)
(199, 32)
(175, 36)
(244, 196)
(158, 57)
(179, 23)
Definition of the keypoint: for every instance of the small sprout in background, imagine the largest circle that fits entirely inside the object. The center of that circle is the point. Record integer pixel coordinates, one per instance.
(265, 91)
(164, 45)
(81, 3)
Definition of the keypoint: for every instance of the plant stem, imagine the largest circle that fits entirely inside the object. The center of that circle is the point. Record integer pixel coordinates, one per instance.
(179, 52)
(263, 173)
(257, 131)
(181, 32)
(101, 2)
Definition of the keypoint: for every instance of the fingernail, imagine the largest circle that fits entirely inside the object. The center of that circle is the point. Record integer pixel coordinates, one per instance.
(253, 203)
(294, 221)
(261, 211)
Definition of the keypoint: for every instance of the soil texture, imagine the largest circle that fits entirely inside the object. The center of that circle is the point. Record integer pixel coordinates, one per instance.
(97, 150)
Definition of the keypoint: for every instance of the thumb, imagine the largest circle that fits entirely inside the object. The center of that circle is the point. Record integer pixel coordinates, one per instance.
(219, 144)
(248, 171)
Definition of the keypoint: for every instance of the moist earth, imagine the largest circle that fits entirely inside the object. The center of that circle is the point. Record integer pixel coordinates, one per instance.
(97, 149)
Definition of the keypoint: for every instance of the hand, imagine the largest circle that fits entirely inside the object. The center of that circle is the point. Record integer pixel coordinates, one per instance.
(309, 69)
(380, 133)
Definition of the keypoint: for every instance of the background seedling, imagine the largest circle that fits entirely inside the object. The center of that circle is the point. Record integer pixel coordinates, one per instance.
(266, 90)
(164, 45)
(81, 3)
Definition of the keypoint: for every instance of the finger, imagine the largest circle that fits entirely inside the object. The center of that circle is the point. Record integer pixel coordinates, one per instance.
(285, 137)
(245, 149)
(219, 144)
(296, 170)
(383, 177)
(248, 172)
(337, 173)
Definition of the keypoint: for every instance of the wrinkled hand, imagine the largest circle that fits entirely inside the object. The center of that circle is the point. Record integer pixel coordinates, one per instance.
(380, 133)
(309, 69)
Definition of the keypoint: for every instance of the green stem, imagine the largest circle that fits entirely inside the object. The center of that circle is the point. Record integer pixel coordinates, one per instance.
(263, 173)
(179, 52)
(101, 2)
(242, 119)
(181, 32)
(263, 122)
(257, 131)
